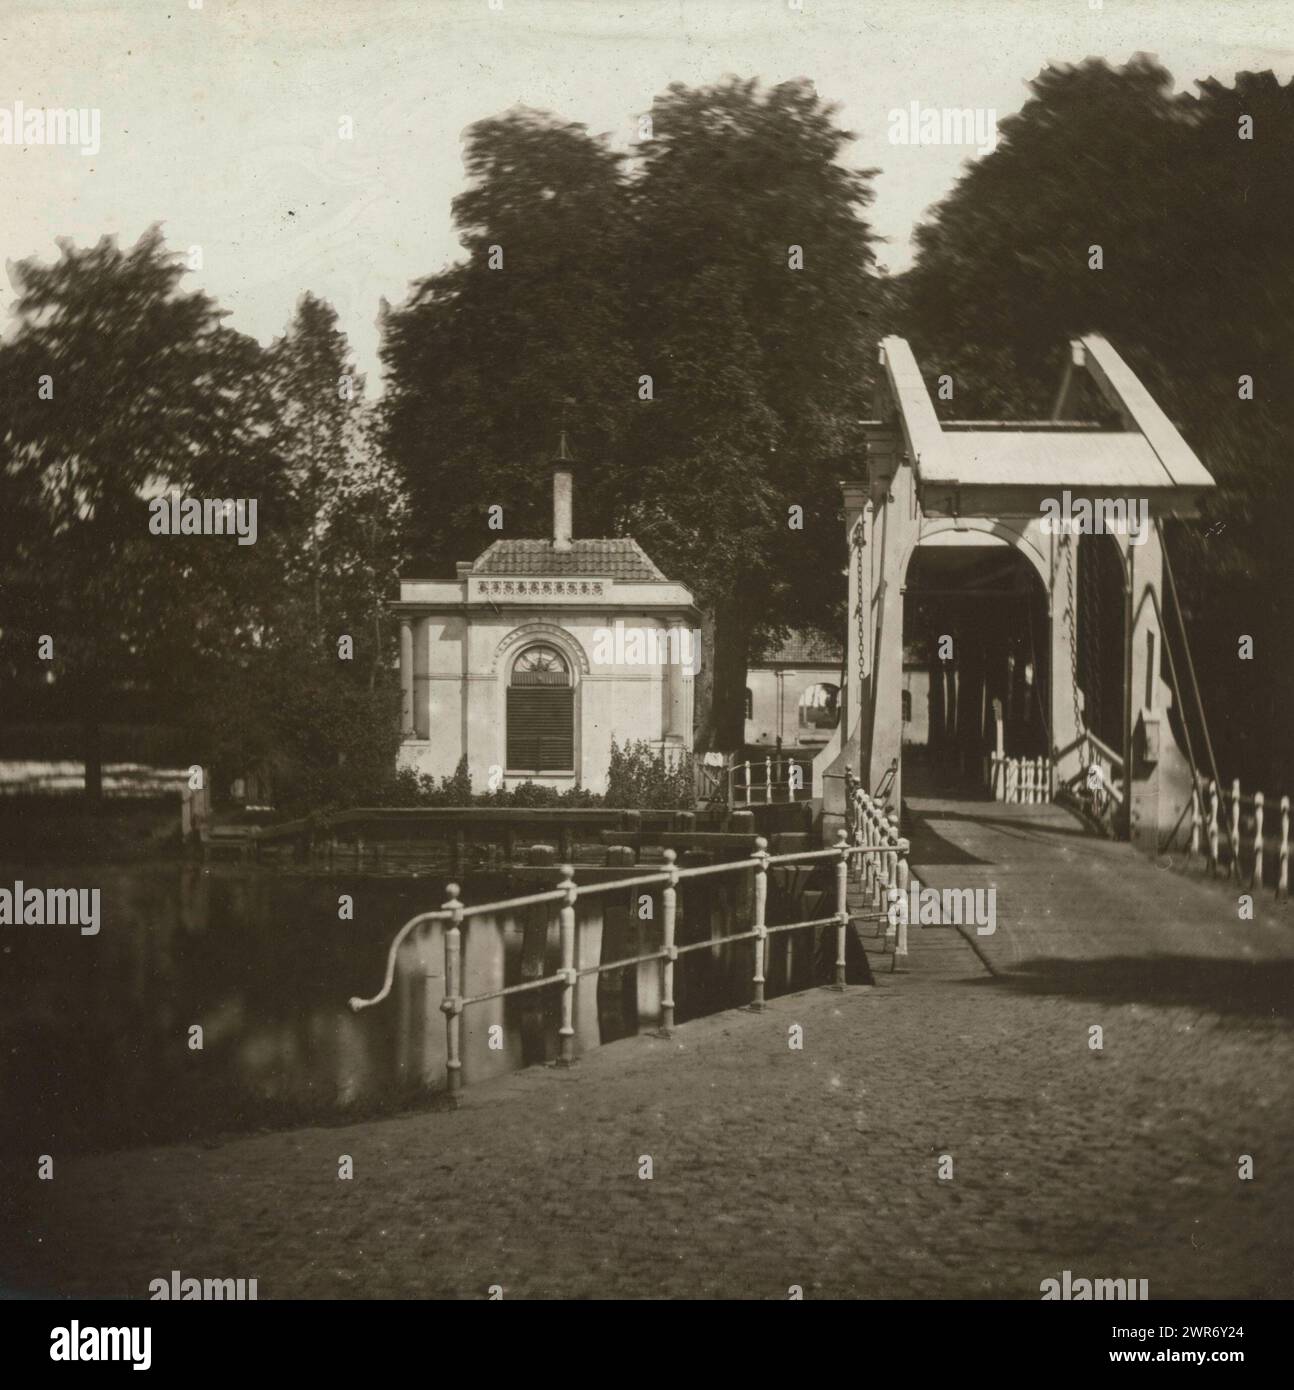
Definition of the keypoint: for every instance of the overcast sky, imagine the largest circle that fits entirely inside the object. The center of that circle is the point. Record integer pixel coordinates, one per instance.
(222, 122)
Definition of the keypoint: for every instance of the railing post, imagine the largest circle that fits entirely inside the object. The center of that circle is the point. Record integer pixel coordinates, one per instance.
(1283, 881)
(669, 951)
(1258, 842)
(1233, 831)
(760, 928)
(901, 945)
(768, 780)
(746, 765)
(889, 868)
(452, 1004)
(842, 907)
(566, 1057)
(1196, 820)
(1213, 826)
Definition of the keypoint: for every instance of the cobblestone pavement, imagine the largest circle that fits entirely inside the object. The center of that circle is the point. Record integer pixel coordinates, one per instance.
(775, 1167)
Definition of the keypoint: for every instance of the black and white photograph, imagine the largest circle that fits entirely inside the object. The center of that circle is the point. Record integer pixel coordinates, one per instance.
(647, 654)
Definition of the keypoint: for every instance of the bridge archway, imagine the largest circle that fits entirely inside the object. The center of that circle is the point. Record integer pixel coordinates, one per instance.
(976, 640)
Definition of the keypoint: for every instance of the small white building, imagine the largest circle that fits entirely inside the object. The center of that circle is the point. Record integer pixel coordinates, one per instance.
(540, 652)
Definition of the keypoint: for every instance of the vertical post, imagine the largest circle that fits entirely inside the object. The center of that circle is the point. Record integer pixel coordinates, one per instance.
(1234, 866)
(1283, 881)
(878, 857)
(904, 880)
(566, 1057)
(761, 931)
(842, 907)
(669, 953)
(1257, 882)
(406, 678)
(1213, 826)
(1196, 820)
(889, 871)
(452, 1004)
(746, 765)
(768, 779)
(892, 854)
(1129, 589)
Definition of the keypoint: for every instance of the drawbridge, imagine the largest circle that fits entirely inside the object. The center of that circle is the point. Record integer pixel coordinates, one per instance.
(1007, 603)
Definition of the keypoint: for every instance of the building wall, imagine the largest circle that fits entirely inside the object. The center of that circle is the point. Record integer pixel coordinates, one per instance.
(461, 671)
(916, 686)
(776, 713)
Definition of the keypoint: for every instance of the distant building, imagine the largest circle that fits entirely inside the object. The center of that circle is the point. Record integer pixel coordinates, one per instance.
(793, 692)
(540, 652)
(916, 695)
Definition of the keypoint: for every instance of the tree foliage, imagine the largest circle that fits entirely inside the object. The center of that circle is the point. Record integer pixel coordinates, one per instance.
(146, 393)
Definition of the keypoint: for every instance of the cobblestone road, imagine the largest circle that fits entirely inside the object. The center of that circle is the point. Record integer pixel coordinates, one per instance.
(819, 1168)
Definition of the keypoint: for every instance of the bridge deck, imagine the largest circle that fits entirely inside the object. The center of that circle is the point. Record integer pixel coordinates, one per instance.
(1067, 896)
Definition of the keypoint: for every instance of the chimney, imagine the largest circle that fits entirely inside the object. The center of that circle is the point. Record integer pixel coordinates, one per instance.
(563, 488)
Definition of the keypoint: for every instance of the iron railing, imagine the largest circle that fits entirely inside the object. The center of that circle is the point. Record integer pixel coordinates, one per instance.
(881, 867)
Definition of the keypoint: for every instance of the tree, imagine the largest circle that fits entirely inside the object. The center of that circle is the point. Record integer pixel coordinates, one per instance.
(118, 385)
(481, 357)
(755, 288)
(145, 392)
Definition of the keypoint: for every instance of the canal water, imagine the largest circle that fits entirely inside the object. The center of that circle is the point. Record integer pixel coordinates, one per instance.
(97, 1032)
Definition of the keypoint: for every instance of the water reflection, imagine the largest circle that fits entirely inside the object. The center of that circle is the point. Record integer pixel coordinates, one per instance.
(95, 1032)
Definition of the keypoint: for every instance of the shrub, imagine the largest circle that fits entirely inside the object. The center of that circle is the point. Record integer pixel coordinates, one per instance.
(641, 776)
(323, 737)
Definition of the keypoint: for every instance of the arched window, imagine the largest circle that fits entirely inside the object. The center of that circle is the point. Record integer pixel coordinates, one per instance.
(541, 713)
(820, 707)
(907, 707)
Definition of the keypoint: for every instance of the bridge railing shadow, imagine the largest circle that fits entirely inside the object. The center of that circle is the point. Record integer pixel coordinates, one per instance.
(1248, 989)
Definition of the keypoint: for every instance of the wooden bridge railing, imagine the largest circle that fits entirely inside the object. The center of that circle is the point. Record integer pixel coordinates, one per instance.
(747, 790)
(1244, 826)
(882, 864)
(1021, 781)
(1096, 785)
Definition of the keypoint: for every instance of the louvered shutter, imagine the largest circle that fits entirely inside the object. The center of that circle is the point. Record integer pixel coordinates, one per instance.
(541, 715)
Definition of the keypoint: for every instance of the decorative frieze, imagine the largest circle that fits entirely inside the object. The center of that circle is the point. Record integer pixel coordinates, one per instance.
(538, 588)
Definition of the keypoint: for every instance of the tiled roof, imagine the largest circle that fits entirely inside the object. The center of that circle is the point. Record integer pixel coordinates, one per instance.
(805, 646)
(610, 558)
